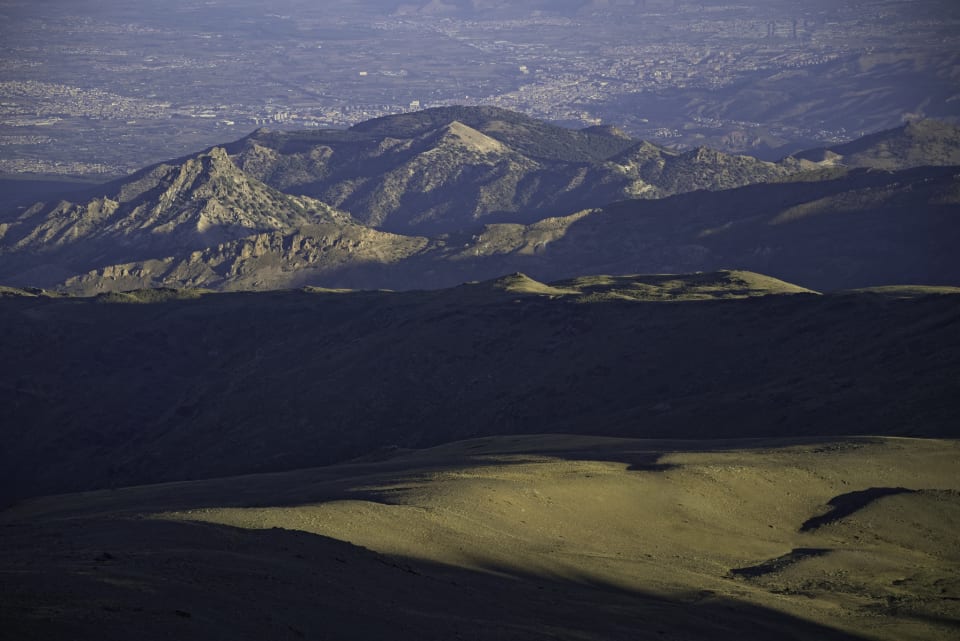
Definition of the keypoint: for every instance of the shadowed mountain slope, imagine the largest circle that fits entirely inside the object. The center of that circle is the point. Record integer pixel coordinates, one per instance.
(867, 228)
(925, 142)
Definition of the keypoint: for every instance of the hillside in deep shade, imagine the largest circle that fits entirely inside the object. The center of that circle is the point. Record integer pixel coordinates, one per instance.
(916, 144)
(161, 385)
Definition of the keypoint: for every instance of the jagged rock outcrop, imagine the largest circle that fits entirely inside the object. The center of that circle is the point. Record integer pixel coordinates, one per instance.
(166, 210)
(266, 260)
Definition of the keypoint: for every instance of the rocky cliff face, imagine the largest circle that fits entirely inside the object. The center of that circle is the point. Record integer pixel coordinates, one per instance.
(202, 200)
(165, 211)
(265, 260)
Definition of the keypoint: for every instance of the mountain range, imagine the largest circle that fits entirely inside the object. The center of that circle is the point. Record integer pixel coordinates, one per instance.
(450, 195)
(464, 374)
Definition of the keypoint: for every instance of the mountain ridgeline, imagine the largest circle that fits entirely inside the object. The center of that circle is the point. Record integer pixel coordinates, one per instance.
(444, 170)
(449, 195)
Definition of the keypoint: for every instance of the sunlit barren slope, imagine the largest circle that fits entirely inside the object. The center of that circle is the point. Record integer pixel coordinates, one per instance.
(537, 537)
(150, 386)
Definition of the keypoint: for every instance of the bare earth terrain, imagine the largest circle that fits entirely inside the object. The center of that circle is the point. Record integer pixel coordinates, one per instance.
(533, 537)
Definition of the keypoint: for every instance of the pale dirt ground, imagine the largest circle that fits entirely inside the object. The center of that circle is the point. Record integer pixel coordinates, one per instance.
(618, 528)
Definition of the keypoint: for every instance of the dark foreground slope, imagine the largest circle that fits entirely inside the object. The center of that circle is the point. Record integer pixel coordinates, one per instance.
(156, 386)
(511, 538)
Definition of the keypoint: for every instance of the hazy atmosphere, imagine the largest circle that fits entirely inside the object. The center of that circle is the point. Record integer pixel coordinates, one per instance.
(470, 319)
(103, 86)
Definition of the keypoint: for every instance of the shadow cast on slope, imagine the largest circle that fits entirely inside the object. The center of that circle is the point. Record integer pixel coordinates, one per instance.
(846, 504)
(118, 578)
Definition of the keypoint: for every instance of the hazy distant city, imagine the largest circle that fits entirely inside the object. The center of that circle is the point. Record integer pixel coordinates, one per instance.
(82, 94)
